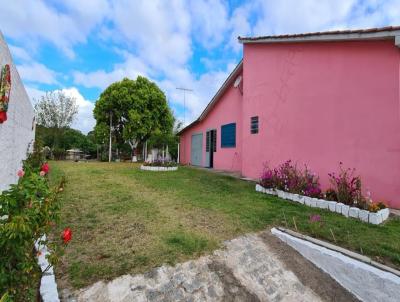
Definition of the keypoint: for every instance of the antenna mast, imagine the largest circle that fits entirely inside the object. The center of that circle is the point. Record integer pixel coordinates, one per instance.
(184, 101)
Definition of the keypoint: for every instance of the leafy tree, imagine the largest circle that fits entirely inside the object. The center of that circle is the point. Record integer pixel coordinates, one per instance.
(56, 110)
(171, 139)
(138, 109)
(69, 139)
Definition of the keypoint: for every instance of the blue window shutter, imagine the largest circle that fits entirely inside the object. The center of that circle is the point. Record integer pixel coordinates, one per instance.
(228, 135)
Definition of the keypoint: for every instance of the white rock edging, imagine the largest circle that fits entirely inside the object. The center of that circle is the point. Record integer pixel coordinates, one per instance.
(333, 206)
(158, 169)
(48, 285)
(366, 282)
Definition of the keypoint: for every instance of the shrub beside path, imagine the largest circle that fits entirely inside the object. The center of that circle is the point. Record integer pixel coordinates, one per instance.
(255, 267)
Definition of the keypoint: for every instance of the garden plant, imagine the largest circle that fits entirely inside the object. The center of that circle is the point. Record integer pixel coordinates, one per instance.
(28, 211)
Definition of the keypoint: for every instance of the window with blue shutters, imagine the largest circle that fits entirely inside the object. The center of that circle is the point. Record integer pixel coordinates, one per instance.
(228, 135)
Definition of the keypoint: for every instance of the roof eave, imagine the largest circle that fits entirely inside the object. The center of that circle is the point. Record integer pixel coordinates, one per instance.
(216, 97)
(327, 37)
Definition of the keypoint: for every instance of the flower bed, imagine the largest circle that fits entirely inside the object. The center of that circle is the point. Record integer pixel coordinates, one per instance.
(333, 206)
(158, 168)
(159, 165)
(344, 197)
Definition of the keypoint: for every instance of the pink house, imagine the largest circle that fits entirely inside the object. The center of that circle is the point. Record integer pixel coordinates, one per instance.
(316, 98)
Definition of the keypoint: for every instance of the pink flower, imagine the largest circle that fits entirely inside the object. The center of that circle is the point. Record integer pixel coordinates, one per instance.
(42, 173)
(315, 218)
(21, 173)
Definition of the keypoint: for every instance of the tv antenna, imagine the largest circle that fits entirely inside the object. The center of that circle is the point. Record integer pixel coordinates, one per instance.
(184, 101)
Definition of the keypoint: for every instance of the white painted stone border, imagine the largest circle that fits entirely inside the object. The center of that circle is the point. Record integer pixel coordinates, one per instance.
(367, 282)
(158, 169)
(48, 285)
(333, 206)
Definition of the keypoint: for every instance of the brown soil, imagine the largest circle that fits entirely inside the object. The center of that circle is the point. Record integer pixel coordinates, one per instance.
(320, 282)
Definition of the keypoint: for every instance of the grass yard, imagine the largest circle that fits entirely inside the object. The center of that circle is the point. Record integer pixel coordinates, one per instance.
(125, 220)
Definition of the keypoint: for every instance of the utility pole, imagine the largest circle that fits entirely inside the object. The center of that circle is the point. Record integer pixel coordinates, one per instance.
(109, 147)
(184, 101)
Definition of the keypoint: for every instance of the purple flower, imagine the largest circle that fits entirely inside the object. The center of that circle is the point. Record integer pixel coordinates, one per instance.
(315, 218)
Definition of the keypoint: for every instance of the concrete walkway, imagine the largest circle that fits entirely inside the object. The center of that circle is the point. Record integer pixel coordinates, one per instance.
(256, 267)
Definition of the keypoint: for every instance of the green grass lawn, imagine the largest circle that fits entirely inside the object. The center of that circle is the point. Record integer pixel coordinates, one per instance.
(125, 220)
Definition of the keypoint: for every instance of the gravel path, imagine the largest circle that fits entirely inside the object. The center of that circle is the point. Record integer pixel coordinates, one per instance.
(255, 267)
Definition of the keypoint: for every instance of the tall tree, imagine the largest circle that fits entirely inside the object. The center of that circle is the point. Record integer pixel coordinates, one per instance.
(55, 110)
(137, 108)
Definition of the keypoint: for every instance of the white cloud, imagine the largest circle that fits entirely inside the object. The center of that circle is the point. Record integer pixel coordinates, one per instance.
(210, 21)
(34, 93)
(19, 53)
(37, 73)
(292, 16)
(157, 38)
(159, 31)
(239, 24)
(84, 121)
(162, 47)
(131, 68)
(35, 21)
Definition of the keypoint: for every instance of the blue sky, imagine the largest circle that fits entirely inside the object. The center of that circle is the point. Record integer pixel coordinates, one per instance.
(82, 46)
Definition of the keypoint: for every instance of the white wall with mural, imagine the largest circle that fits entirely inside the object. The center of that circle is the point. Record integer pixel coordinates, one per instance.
(17, 132)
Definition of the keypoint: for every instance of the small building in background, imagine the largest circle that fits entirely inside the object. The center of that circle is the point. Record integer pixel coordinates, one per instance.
(74, 154)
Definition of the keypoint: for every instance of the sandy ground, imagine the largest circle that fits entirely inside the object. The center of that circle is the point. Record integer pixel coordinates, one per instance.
(255, 267)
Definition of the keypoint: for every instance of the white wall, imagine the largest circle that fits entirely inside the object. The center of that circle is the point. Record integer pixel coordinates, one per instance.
(17, 133)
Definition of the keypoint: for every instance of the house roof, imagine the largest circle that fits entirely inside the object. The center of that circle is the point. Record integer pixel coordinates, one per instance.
(231, 78)
(382, 33)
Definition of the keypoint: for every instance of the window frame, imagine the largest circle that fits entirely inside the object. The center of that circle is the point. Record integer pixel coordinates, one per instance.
(232, 141)
(254, 124)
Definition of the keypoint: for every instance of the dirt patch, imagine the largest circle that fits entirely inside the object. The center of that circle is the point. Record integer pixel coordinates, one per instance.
(233, 289)
(320, 282)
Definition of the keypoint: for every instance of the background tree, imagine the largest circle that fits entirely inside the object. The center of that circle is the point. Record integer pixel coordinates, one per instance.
(138, 109)
(70, 139)
(55, 111)
(171, 139)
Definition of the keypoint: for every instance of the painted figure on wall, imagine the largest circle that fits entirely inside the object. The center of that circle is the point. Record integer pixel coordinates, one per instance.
(5, 88)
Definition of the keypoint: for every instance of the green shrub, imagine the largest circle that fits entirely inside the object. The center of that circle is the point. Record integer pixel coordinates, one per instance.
(28, 210)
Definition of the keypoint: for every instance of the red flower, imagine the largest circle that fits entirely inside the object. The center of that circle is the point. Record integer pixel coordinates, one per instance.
(45, 168)
(66, 235)
(3, 116)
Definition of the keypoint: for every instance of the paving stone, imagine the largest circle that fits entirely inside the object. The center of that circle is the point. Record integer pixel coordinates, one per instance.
(332, 206)
(345, 210)
(384, 213)
(245, 270)
(338, 207)
(374, 218)
(363, 215)
(322, 204)
(353, 212)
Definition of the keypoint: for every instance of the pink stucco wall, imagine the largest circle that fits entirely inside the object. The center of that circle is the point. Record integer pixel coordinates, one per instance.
(318, 104)
(322, 103)
(227, 110)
